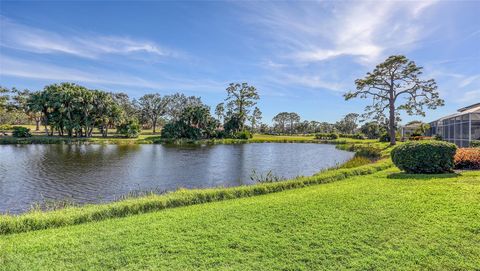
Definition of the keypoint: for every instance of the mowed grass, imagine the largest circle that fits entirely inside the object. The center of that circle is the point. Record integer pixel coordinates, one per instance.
(383, 221)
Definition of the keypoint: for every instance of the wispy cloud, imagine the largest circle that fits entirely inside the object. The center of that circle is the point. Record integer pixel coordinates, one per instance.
(22, 37)
(319, 31)
(469, 96)
(48, 72)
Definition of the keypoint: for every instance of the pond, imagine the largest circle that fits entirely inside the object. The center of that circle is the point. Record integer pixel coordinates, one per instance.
(98, 173)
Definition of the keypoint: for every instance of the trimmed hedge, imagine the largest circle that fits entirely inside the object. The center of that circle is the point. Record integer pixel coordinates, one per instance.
(424, 156)
(467, 158)
(37, 220)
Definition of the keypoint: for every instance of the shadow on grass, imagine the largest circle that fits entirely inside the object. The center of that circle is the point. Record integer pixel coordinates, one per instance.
(403, 175)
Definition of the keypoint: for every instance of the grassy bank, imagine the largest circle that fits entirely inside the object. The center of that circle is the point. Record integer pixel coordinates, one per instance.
(77, 215)
(383, 221)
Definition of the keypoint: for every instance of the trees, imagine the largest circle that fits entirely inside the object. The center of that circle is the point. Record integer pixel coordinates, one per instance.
(177, 102)
(21, 104)
(241, 97)
(293, 118)
(256, 118)
(280, 120)
(220, 111)
(74, 110)
(348, 124)
(3, 98)
(372, 130)
(152, 107)
(195, 122)
(397, 77)
(10, 112)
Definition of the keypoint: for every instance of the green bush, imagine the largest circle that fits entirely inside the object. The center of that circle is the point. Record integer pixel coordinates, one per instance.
(384, 138)
(475, 143)
(19, 131)
(130, 129)
(424, 156)
(437, 137)
(353, 136)
(243, 135)
(368, 152)
(326, 136)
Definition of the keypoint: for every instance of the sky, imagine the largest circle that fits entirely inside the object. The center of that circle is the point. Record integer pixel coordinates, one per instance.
(302, 56)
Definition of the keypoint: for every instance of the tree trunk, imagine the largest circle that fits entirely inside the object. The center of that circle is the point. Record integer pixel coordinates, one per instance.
(37, 125)
(154, 125)
(391, 124)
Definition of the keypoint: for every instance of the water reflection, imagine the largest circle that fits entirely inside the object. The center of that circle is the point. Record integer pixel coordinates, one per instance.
(95, 173)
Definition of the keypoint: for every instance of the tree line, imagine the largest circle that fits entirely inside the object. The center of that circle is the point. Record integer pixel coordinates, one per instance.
(68, 109)
(394, 85)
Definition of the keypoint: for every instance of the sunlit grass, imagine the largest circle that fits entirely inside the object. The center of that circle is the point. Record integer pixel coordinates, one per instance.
(368, 222)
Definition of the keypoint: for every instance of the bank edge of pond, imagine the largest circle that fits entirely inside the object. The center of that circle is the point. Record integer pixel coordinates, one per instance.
(148, 139)
(37, 220)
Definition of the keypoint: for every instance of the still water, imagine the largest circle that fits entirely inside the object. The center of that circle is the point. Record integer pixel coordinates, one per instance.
(96, 173)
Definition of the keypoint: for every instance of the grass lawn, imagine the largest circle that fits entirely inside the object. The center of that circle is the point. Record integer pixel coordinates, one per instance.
(384, 221)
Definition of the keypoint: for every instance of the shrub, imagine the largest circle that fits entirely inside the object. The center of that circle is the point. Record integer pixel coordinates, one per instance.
(19, 131)
(356, 162)
(417, 138)
(385, 137)
(353, 136)
(368, 152)
(467, 158)
(130, 129)
(243, 135)
(475, 143)
(424, 156)
(326, 136)
(437, 137)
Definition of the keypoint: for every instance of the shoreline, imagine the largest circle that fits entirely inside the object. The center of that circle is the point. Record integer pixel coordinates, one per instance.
(152, 139)
(72, 215)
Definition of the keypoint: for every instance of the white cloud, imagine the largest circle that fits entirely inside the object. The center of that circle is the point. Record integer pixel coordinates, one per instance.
(319, 31)
(26, 38)
(41, 71)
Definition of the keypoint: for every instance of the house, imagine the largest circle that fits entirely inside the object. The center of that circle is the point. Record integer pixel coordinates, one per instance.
(409, 129)
(459, 128)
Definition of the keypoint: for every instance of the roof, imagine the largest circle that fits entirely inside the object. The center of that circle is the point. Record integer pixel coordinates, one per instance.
(475, 107)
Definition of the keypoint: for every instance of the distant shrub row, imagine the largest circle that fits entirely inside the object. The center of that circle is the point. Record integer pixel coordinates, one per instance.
(330, 136)
(353, 136)
(326, 136)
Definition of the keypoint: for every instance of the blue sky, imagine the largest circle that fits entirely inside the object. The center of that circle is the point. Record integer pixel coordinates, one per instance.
(302, 56)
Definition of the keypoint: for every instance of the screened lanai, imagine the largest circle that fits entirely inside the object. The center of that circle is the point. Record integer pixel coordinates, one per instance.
(460, 128)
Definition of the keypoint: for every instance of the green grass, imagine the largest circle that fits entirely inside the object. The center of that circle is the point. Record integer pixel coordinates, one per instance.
(372, 222)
